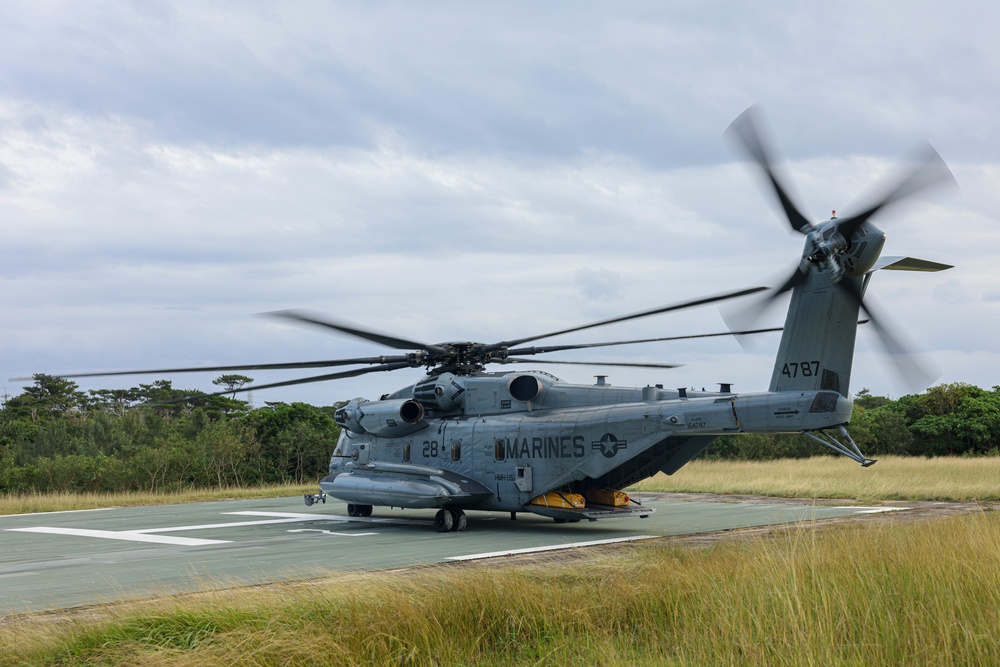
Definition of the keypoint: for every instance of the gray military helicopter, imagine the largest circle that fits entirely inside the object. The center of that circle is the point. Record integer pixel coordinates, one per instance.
(467, 438)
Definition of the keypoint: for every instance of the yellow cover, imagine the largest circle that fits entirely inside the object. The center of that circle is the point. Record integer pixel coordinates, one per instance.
(608, 497)
(560, 500)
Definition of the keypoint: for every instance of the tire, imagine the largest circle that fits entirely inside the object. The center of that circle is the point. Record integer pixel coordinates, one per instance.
(461, 522)
(365, 510)
(443, 521)
(352, 509)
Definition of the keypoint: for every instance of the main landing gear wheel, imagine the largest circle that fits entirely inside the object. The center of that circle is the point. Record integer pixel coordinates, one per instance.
(450, 519)
(461, 521)
(444, 521)
(359, 510)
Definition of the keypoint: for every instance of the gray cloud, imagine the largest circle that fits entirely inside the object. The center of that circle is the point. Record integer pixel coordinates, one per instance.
(453, 171)
(599, 284)
(506, 79)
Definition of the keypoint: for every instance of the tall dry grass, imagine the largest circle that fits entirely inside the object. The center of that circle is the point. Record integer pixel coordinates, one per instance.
(24, 503)
(957, 479)
(914, 594)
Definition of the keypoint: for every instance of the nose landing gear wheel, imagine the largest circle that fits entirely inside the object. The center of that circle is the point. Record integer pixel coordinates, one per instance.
(359, 510)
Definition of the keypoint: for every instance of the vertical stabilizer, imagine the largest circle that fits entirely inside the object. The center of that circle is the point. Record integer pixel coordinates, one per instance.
(817, 346)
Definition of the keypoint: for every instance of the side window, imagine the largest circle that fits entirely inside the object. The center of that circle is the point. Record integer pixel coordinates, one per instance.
(456, 450)
(406, 452)
(499, 451)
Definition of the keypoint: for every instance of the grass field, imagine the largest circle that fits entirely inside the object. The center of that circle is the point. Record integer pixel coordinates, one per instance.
(56, 502)
(959, 479)
(924, 593)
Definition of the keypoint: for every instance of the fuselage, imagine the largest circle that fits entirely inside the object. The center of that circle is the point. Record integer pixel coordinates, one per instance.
(506, 452)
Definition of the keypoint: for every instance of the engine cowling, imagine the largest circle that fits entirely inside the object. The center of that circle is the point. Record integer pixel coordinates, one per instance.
(444, 392)
(387, 419)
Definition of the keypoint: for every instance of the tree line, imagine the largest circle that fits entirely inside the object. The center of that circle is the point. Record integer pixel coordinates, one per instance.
(54, 437)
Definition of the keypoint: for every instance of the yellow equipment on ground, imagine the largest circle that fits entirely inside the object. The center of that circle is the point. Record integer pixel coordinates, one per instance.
(560, 499)
(611, 497)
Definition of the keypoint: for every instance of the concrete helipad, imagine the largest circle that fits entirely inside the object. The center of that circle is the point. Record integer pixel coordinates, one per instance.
(70, 559)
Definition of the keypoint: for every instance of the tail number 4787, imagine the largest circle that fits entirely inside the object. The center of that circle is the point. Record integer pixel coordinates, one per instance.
(806, 369)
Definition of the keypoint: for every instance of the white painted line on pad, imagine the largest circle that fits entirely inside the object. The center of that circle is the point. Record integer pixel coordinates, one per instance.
(874, 510)
(552, 547)
(94, 509)
(155, 536)
(329, 532)
(235, 524)
(125, 535)
(338, 517)
(295, 515)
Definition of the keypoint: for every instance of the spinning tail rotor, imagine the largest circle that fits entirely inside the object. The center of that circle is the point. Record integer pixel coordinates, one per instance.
(840, 253)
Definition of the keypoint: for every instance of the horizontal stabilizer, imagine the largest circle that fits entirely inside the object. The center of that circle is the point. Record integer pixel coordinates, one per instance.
(908, 264)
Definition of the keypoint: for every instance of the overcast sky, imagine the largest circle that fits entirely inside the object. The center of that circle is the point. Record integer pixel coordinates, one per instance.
(473, 171)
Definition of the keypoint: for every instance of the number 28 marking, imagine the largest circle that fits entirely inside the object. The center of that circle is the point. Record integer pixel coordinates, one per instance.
(794, 369)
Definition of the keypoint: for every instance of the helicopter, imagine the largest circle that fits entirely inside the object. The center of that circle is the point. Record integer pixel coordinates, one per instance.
(469, 438)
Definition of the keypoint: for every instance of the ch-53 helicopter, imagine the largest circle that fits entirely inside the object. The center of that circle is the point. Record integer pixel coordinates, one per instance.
(465, 438)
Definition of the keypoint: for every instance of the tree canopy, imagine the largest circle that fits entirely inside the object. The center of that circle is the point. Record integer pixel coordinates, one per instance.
(54, 437)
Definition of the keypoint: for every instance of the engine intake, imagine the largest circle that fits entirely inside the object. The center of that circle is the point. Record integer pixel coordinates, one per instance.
(524, 387)
(387, 419)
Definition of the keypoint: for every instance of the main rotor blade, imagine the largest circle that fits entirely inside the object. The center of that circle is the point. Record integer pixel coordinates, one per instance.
(515, 360)
(746, 129)
(288, 383)
(398, 358)
(634, 316)
(931, 171)
(353, 330)
(746, 315)
(560, 348)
